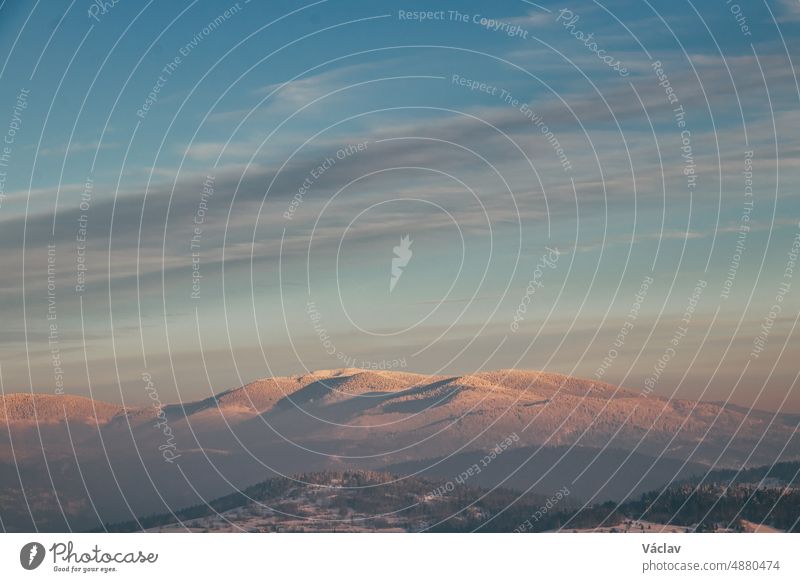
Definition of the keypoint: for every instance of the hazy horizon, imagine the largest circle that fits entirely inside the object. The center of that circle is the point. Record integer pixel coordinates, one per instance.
(144, 401)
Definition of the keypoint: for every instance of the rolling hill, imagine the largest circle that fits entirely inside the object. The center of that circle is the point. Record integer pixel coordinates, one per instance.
(523, 430)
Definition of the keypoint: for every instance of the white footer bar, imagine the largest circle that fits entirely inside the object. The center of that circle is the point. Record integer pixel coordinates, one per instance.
(390, 557)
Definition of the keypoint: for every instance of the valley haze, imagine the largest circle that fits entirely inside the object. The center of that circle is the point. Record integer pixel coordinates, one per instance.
(527, 431)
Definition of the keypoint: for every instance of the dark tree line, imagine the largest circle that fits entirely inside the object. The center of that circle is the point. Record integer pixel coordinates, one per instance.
(722, 500)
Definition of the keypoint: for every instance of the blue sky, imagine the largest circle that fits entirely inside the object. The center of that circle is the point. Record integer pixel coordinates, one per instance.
(260, 96)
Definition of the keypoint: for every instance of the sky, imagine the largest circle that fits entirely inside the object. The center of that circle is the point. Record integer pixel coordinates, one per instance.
(205, 193)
